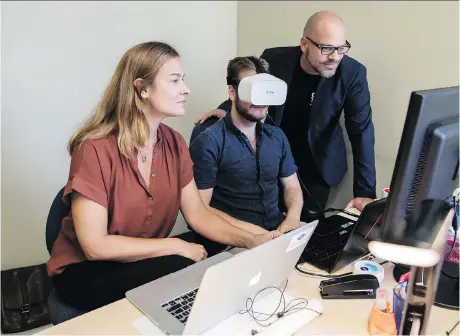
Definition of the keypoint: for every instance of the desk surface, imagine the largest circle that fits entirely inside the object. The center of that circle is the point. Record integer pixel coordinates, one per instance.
(340, 317)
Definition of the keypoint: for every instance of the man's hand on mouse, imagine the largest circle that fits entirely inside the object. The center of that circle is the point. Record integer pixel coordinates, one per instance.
(359, 203)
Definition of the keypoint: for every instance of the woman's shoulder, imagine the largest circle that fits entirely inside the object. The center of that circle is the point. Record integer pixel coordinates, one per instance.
(171, 136)
(103, 147)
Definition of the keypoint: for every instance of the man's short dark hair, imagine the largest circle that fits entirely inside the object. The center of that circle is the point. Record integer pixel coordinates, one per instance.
(239, 64)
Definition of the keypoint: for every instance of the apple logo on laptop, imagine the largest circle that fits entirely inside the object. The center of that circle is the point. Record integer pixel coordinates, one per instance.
(255, 280)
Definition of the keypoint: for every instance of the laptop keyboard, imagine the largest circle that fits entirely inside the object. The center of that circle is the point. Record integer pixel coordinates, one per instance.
(181, 306)
(329, 246)
(327, 243)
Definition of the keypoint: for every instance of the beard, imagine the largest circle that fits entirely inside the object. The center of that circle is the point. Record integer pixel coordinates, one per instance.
(245, 112)
(326, 73)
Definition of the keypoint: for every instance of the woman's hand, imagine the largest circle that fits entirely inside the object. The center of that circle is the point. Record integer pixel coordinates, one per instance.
(192, 251)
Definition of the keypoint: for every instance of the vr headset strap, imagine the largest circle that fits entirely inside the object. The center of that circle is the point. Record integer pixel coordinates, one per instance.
(259, 69)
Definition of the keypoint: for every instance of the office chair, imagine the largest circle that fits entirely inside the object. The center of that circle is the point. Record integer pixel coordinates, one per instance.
(58, 310)
(198, 128)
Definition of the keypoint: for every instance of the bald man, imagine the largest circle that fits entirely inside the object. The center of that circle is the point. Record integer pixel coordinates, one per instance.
(322, 82)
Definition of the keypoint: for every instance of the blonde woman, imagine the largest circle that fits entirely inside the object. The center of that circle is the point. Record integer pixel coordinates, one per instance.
(129, 176)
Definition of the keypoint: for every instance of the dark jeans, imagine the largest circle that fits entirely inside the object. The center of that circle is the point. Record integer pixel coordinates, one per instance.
(318, 190)
(320, 193)
(210, 246)
(93, 284)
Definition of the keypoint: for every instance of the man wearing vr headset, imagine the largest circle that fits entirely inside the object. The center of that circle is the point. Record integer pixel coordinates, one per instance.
(322, 82)
(240, 161)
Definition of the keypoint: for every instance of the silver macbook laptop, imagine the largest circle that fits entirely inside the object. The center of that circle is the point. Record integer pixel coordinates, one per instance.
(204, 294)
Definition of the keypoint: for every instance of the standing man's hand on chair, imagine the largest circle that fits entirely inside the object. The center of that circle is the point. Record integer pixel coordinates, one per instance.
(213, 113)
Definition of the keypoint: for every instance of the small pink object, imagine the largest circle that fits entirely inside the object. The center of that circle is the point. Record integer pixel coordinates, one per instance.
(381, 299)
(404, 277)
(385, 193)
(454, 257)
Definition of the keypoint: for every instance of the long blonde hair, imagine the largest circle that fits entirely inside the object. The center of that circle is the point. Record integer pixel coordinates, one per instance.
(120, 110)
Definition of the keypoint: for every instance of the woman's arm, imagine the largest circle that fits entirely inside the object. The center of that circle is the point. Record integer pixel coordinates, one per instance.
(206, 195)
(213, 227)
(90, 220)
(249, 227)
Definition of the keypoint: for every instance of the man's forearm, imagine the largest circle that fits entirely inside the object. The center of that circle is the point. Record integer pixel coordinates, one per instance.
(238, 223)
(293, 199)
(364, 177)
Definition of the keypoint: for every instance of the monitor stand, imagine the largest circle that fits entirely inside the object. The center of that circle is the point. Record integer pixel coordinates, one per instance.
(447, 293)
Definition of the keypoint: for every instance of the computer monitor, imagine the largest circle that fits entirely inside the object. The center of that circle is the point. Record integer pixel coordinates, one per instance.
(426, 168)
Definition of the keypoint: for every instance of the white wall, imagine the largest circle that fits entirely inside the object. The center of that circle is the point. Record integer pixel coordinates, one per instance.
(56, 59)
(405, 45)
(58, 56)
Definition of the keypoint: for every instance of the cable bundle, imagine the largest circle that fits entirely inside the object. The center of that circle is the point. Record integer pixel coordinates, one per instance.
(287, 309)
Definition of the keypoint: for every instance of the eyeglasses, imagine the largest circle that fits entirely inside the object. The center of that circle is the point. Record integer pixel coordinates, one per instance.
(328, 49)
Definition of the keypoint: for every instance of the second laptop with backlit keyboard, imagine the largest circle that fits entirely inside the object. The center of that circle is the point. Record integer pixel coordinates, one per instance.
(339, 241)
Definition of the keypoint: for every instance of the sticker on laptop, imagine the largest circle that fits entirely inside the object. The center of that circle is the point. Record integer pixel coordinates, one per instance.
(299, 239)
(347, 225)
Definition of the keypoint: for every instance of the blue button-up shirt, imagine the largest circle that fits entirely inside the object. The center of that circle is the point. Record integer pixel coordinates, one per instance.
(245, 180)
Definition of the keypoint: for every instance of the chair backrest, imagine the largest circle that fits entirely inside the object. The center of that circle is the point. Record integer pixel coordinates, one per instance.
(56, 214)
(198, 128)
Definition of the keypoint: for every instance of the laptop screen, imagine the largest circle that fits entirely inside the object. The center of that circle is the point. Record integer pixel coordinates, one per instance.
(369, 222)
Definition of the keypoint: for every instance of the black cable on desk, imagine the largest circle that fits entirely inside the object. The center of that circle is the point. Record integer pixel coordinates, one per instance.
(321, 275)
(453, 328)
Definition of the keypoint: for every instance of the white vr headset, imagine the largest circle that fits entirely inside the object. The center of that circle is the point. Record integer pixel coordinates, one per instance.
(262, 89)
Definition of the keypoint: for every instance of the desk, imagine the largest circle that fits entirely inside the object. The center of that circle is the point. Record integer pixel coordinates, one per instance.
(340, 317)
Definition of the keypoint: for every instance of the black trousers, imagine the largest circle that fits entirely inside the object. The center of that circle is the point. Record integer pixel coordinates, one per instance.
(315, 193)
(210, 246)
(318, 194)
(93, 284)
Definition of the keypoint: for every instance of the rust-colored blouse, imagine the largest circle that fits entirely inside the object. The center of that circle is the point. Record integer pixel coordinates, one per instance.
(100, 172)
